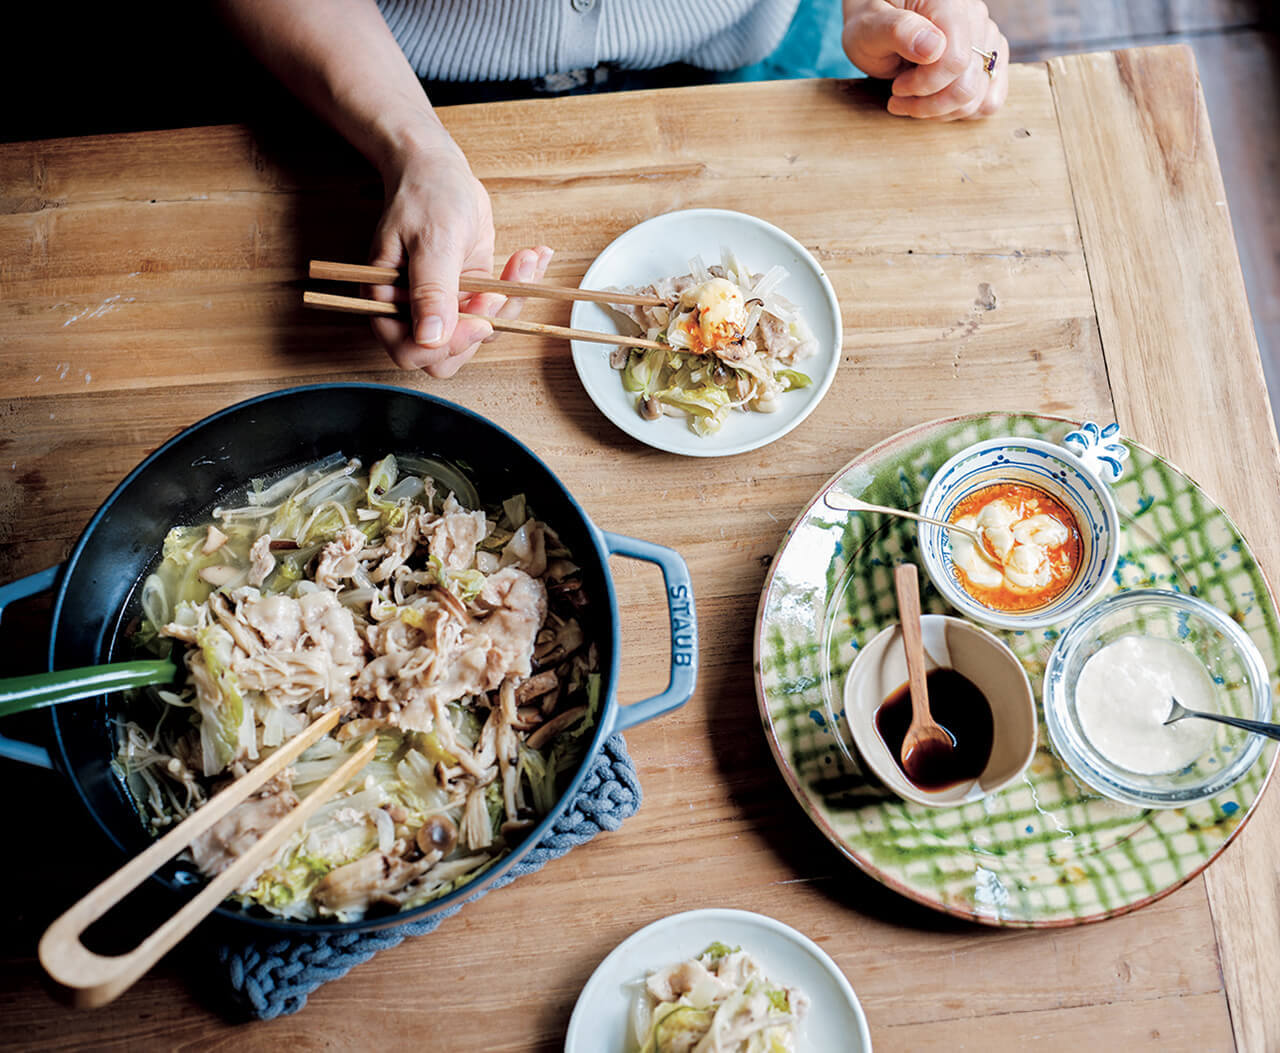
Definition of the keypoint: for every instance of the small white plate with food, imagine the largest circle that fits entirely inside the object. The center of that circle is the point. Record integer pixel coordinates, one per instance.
(751, 337)
(761, 984)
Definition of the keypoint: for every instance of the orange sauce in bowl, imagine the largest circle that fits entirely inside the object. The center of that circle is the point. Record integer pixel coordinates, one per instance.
(1059, 560)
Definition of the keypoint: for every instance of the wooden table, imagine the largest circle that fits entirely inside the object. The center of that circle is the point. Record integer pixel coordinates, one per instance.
(148, 280)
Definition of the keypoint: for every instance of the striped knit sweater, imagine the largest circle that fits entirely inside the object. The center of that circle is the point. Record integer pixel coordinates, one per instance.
(468, 40)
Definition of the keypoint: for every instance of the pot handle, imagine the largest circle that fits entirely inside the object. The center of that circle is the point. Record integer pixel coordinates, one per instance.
(684, 629)
(12, 749)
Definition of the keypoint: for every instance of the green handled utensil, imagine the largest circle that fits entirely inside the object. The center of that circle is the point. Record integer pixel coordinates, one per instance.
(20, 693)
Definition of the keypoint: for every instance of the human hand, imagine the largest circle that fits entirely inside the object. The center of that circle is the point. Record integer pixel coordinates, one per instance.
(927, 48)
(438, 221)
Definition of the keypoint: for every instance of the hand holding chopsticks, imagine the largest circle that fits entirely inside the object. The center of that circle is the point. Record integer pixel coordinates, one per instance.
(325, 270)
(96, 979)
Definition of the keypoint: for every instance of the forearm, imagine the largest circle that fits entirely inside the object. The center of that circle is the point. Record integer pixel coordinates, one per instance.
(340, 59)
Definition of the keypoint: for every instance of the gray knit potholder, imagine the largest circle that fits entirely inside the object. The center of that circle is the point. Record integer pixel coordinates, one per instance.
(270, 978)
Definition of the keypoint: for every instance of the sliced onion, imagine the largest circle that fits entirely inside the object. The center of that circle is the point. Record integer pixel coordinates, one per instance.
(357, 597)
(409, 487)
(155, 604)
(386, 829)
(779, 308)
(773, 277)
(678, 337)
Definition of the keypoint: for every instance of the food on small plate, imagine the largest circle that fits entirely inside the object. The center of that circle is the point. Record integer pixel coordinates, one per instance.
(734, 342)
(1031, 546)
(721, 1000)
(1124, 696)
(457, 634)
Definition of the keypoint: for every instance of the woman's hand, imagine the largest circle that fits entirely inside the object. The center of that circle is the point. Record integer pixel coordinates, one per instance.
(927, 48)
(438, 222)
(340, 58)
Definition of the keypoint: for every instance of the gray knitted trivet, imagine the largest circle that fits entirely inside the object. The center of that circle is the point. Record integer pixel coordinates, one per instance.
(270, 978)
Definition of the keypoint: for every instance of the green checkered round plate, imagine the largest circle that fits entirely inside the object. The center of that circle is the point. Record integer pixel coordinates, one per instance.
(1047, 850)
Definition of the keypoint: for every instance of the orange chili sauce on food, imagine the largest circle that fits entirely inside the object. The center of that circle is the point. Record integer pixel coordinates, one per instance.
(723, 333)
(1064, 559)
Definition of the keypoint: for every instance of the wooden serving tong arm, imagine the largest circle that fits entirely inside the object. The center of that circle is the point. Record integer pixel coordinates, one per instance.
(94, 979)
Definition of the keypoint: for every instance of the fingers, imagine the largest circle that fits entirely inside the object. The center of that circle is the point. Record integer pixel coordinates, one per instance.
(881, 40)
(435, 336)
(971, 92)
(525, 265)
(953, 18)
(435, 261)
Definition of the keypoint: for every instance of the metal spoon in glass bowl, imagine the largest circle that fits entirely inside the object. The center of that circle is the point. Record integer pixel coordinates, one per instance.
(1259, 727)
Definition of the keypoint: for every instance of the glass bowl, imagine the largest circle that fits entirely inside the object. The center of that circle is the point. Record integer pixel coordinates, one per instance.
(1238, 683)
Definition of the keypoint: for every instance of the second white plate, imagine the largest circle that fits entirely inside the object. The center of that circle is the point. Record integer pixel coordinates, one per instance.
(601, 1021)
(662, 247)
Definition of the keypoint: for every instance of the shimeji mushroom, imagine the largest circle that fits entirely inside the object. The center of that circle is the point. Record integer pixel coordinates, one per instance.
(437, 835)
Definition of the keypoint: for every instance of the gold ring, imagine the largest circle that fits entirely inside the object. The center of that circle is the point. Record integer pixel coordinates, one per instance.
(988, 60)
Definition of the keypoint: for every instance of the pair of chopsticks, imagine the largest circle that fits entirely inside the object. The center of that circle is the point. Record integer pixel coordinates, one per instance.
(96, 979)
(325, 270)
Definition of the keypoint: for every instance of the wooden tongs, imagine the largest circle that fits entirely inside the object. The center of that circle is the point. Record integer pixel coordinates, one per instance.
(94, 979)
(325, 270)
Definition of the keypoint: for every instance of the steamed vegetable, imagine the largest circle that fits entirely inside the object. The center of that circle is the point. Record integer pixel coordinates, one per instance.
(450, 631)
(732, 344)
(721, 1000)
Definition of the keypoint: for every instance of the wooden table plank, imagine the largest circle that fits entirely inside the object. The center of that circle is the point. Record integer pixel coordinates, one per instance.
(1185, 375)
(998, 211)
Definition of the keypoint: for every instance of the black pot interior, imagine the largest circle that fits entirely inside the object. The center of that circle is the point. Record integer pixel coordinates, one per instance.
(184, 479)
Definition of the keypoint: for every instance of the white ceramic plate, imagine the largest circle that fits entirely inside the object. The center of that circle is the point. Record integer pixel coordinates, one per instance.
(662, 247)
(601, 1021)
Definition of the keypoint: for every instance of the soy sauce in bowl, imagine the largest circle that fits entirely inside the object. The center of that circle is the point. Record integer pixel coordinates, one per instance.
(962, 710)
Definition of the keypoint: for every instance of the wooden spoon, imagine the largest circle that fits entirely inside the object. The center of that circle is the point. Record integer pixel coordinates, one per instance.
(925, 737)
(843, 502)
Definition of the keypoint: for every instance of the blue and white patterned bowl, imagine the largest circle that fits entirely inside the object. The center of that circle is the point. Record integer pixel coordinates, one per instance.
(1073, 480)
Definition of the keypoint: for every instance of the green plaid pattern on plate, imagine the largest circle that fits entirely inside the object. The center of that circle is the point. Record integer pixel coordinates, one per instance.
(1047, 850)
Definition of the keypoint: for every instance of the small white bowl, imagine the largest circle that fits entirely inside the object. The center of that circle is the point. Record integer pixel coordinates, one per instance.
(1073, 481)
(949, 643)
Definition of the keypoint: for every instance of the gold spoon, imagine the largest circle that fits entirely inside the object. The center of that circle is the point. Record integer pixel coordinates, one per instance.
(925, 737)
(846, 503)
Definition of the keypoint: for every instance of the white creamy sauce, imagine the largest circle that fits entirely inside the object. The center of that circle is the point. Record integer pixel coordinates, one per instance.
(1019, 547)
(1123, 697)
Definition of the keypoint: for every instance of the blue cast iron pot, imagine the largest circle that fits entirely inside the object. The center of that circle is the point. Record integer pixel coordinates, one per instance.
(185, 477)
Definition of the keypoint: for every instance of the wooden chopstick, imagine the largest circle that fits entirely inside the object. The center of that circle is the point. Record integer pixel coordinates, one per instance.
(96, 979)
(326, 270)
(356, 305)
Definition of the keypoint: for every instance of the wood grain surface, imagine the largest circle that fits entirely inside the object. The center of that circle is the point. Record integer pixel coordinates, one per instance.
(1067, 256)
(1137, 136)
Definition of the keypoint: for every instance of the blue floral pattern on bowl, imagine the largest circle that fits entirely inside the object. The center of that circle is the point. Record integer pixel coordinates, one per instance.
(1099, 449)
